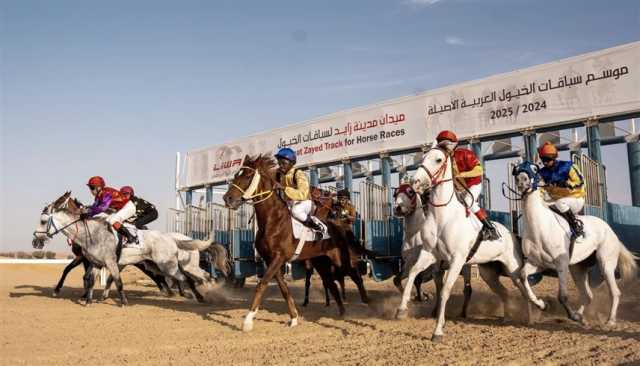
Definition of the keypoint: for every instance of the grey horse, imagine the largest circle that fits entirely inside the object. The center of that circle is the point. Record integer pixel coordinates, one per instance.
(99, 244)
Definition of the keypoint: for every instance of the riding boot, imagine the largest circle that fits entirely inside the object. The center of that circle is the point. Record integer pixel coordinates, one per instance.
(489, 231)
(577, 229)
(127, 234)
(310, 223)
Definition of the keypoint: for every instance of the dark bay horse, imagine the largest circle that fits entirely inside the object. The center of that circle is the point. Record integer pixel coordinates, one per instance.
(274, 241)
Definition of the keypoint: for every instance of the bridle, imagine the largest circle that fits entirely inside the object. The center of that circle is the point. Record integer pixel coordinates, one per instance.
(435, 178)
(52, 224)
(249, 194)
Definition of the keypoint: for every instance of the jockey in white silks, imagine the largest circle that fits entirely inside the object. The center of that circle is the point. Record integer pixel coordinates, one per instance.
(295, 184)
(564, 184)
(469, 173)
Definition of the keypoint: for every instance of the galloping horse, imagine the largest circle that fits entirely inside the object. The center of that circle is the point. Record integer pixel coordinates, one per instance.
(546, 244)
(99, 243)
(408, 205)
(274, 241)
(449, 233)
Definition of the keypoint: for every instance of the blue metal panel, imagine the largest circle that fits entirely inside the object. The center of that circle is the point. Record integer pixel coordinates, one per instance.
(384, 269)
(243, 244)
(625, 222)
(242, 269)
(502, 217)
(357, 228)
(530, 144)
(633, 156)
(222, 237)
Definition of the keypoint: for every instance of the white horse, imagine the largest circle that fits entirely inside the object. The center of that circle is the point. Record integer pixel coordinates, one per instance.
(408, 205)
(99, 243)
(450, 232)
(546, 245)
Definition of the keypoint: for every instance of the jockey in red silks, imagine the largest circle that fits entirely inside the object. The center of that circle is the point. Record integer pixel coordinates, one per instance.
(109, 198)
(470, 174)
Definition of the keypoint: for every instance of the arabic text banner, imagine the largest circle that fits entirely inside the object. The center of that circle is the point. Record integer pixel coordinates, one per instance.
(601, 84)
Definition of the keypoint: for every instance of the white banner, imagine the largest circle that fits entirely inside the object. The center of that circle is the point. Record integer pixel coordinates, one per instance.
(602, 83)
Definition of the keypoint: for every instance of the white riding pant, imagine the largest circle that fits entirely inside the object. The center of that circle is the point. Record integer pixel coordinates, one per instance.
(301, 209)
(125, 213)
(475, 190)
(575, 204)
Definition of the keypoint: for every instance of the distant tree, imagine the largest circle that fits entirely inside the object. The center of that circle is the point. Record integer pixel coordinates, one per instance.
(23, 255)
(50, 255)
(38, 254)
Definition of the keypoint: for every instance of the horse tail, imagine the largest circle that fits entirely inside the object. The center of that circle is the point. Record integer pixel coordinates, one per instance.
(198, 245)
(220, 258)
(627, 264)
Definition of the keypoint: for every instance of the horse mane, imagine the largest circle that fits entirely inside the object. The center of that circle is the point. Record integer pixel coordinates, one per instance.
(264, 163)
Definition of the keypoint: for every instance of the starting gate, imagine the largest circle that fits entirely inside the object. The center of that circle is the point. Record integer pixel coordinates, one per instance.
(382, 231)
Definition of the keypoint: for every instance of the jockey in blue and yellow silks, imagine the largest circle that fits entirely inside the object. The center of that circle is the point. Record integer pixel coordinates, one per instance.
(564, 184)
(296, 188)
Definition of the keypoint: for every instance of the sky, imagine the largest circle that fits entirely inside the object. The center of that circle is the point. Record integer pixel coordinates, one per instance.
(117, 88)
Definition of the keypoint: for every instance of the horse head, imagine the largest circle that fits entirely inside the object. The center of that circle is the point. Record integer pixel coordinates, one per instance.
(247, 183)
(433, 170)
(404, 200)
(526, 176)
(49, 224)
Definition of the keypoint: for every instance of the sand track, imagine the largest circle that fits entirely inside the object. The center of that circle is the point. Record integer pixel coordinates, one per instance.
(36, 328)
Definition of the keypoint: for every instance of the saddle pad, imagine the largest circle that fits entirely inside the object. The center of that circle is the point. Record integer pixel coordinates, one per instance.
(300, 231)
(137, 233)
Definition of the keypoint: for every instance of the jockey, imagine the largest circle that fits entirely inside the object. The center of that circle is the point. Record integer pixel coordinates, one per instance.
(296, 188)
(109, 198)
(343, 208)
(469, 172)
(145, 211)
(564, 184)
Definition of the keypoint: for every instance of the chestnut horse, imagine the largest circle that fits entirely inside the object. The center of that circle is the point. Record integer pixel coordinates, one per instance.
(274, 241)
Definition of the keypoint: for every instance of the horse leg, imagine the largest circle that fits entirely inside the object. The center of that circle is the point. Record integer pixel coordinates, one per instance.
(608, 267)
(425, 259)
(86, 264)
(340, 278)
(526, 270)
(159, 280)
(452, 275)
(307, 285)
(89, 282)
(581, 279)
(417, 283)
(291, 306)
(562, 266)
(357, 279)
(324, 269)
(74, 263)
(491, 277)
(327, 299)
(438, 279)
(272, 269)
(114, 268)
(466, 275)
(192, 286)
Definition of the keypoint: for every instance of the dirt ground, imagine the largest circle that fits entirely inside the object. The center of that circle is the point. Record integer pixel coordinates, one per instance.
(36, 328)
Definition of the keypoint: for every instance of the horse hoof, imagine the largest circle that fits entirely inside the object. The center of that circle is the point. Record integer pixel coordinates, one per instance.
(293, 322)
(402, 314)
(611, 323)
(544, 306)
(577, 318)
(55, 293)
(341, 312)
(247, 327)
(436, 338)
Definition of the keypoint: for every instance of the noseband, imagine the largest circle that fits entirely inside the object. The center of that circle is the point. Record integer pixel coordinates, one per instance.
(52, 224)
(249, 194)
